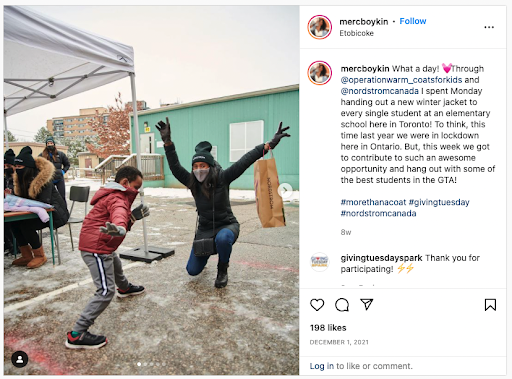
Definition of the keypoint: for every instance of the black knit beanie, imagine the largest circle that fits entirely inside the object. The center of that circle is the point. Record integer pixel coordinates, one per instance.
(203, 153)
(48, 139)
(25, 158)
(9, 157)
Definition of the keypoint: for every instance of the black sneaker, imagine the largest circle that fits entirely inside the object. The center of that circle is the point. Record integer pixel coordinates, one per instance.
(85, 340)
(131, 291)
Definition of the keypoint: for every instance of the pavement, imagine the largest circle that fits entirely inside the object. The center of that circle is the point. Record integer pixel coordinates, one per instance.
(182, 325)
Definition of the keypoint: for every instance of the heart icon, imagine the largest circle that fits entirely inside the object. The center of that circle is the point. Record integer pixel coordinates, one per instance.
(317, 304)
(447, 68)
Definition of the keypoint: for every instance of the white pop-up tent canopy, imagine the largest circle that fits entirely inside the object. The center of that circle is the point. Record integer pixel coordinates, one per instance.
(46, 60)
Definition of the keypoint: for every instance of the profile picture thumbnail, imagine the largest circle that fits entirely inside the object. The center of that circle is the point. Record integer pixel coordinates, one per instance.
(319, 262)
(319, 72)
(319, 27)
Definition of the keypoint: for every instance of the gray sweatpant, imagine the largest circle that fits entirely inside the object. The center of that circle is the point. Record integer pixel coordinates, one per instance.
(106, 271)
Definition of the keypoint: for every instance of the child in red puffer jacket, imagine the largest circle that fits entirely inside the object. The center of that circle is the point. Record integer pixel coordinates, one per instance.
(103, 230)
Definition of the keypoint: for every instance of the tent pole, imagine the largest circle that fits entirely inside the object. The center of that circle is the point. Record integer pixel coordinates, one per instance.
(137, 144)
(6, 135)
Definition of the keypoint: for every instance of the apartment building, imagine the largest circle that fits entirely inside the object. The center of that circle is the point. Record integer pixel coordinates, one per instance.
(76, 127)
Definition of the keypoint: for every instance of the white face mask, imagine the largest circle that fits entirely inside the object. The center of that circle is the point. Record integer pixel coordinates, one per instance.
(201, 174)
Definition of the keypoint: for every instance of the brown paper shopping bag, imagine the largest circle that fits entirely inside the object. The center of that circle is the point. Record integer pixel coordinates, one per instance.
(268, 201)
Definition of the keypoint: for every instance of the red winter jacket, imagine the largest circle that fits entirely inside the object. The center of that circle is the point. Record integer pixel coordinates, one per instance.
(112, 203)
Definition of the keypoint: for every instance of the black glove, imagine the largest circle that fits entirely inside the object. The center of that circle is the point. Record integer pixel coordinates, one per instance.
(165, 130)
(139, 213)
(113, 230)
(279, 134)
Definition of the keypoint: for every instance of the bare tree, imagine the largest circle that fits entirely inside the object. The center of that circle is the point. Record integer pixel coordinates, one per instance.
(114, 133)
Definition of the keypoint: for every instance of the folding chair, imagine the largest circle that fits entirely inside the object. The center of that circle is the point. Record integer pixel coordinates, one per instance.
(80, 194)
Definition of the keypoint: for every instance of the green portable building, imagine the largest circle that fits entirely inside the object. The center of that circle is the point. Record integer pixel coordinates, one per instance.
(233, 125)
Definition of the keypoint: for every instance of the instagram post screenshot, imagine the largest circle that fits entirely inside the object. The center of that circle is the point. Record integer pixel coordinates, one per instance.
(241, 188)
(151, 190)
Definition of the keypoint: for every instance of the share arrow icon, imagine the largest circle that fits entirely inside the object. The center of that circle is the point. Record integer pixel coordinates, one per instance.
(367, 303)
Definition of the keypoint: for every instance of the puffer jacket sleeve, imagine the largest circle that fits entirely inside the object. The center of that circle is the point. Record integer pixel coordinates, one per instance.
(45, 196)
(119, 211)
(177, 169)
(50, 195)
(65, 161)
(238, 168)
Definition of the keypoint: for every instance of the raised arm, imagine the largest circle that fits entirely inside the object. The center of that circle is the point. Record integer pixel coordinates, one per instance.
(234, 171)
(177, 169)
(179, 172)
(238, 168)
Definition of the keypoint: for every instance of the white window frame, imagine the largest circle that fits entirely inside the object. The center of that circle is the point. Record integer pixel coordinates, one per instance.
(246, 148)
(214, 153)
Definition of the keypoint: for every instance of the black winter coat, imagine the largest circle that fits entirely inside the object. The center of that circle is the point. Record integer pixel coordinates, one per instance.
(42, 189)
(61, 163)
(224, 217)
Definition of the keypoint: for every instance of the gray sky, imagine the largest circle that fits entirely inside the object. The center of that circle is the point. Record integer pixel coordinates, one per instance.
(193, 53)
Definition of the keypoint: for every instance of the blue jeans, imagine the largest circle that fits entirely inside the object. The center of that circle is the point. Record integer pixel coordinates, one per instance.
(224, 242)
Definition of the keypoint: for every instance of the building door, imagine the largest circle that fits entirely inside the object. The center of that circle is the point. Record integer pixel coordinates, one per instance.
(147, 143)
(88, 164)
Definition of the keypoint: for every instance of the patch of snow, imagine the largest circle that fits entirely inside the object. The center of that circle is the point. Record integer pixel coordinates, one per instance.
(95, 184)
(182, 193)
(173, 193)
(250, 195)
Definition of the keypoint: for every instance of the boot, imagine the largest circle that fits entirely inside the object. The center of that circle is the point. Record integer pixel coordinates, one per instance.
(222, 275)
(26, 256)
(39, 258)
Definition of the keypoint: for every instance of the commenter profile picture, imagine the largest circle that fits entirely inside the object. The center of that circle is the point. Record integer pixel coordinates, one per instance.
(319, 27)
(319, 73)
(319, 262)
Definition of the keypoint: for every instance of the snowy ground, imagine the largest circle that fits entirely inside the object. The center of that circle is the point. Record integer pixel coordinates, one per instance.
(178, 193)
(94, 184)
(182, 324)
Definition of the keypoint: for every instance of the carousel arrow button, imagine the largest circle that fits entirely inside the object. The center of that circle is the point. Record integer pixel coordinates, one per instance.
(285, 190)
